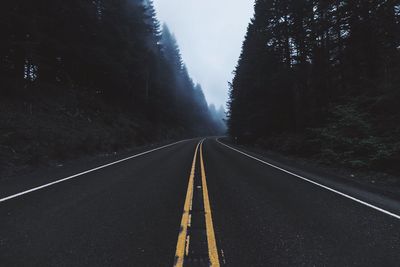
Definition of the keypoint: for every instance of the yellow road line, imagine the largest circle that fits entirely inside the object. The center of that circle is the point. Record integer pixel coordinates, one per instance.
(212, 244)
(181, 244)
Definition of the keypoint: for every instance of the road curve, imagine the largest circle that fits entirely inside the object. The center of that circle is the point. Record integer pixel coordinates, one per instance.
(201, 200)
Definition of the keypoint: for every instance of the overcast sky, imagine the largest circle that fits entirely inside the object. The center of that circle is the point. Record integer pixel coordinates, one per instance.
(210, 34)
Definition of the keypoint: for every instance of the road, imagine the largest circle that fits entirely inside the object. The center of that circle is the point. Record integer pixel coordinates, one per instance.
(193, 203)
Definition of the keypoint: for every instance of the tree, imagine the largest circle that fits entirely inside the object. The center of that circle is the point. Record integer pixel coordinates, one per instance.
(106, 50)
(301, 57)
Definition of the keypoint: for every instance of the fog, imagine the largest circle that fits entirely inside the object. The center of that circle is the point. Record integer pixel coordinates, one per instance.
(210, 35)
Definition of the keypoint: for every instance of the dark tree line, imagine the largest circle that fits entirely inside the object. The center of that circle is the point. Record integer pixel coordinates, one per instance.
(112, 49)
(326, 68)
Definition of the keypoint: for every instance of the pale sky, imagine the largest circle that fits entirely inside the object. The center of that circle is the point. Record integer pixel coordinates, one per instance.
(210, 34)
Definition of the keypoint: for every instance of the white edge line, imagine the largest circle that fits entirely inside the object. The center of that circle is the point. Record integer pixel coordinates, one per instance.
(315, 183)
(88, 171)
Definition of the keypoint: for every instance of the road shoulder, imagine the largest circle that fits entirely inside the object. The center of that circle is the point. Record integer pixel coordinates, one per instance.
(374, 195)
(57, 171)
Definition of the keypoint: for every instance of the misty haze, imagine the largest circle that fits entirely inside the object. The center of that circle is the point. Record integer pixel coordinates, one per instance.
(200, 133)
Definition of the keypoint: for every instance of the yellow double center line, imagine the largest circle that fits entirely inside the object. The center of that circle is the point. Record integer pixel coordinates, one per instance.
(183, 240)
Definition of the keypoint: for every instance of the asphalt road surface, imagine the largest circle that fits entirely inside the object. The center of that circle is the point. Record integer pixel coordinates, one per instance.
(194, 203)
